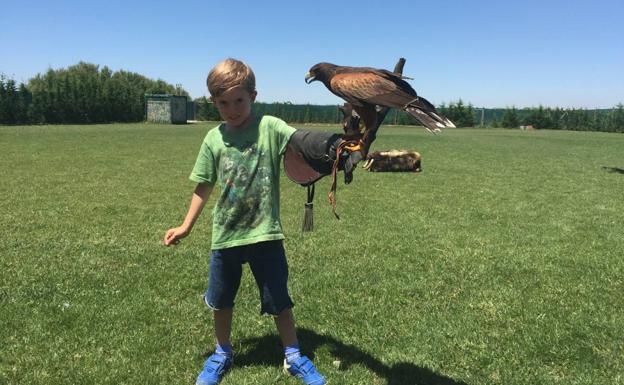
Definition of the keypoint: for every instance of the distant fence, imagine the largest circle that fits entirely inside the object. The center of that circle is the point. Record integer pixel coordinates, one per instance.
(463, 115)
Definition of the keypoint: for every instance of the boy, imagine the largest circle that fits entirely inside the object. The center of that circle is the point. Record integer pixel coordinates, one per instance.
(242, 156)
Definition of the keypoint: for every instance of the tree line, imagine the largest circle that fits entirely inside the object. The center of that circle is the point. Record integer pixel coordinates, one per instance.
(607, 120)
(86, 93)
(82, 93)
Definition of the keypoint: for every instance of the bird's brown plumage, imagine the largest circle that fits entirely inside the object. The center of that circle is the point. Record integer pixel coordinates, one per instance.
(366, 88)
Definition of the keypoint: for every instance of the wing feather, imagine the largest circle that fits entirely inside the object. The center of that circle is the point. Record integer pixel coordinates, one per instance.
(360, 87)
(373, 87)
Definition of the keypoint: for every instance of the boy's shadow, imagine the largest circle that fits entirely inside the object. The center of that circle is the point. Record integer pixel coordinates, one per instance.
(267, 350)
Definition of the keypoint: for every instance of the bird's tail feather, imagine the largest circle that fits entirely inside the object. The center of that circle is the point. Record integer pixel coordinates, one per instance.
(432, 121)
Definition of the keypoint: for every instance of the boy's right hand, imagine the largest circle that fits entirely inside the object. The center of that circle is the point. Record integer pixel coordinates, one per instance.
(173, 236)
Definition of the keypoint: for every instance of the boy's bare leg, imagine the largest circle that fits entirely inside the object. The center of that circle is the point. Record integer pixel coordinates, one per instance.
(221, 360)
(294, 363)
(223, 326)
(285, 323)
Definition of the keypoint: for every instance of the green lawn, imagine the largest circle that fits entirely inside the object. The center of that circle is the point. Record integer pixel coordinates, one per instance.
(501, 263)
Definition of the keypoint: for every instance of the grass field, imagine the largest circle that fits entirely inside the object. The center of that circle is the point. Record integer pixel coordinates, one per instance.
(501, 263)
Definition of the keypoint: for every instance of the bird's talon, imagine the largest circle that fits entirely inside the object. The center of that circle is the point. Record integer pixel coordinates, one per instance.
(354, 148)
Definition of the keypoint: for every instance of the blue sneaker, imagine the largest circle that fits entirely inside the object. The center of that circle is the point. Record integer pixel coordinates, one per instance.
(304, 369)
(215, 367)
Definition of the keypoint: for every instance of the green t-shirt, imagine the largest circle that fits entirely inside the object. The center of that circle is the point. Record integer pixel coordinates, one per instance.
(246, 167)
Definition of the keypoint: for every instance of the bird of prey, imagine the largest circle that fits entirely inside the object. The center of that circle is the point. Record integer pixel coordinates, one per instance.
(368, 89)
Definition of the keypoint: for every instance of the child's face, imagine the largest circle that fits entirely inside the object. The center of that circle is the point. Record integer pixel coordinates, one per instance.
(235, 106)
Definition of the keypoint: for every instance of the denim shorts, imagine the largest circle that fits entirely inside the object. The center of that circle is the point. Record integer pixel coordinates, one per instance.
(267, 261)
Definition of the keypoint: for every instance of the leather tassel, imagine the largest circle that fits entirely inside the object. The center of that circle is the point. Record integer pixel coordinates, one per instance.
(308, 218)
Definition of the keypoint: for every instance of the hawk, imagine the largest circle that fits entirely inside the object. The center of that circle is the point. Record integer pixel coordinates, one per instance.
(368, 89)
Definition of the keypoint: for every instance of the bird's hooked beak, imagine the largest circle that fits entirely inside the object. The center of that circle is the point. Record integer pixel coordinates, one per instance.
(309, 78)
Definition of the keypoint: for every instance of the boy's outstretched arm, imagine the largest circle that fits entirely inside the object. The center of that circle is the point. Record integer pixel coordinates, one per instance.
(198, 201)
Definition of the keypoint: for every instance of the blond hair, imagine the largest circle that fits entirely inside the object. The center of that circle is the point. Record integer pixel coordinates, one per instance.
(228, 74)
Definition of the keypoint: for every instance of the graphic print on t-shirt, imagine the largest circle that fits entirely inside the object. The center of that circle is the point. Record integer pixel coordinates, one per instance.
(245, 186)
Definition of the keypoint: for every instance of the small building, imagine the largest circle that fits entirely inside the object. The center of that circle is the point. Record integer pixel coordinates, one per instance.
(165, 108)
(191, 110)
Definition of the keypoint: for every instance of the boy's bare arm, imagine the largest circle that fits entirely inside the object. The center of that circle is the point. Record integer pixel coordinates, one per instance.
(198, 201)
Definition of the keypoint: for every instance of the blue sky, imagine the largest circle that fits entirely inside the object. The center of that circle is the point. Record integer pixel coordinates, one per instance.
(488, 53)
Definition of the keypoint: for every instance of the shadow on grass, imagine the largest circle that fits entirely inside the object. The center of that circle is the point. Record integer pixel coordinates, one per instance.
(613, 169)
(267, 350)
